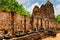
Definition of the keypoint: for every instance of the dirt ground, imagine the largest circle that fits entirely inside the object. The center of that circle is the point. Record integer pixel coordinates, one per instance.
(56, 38)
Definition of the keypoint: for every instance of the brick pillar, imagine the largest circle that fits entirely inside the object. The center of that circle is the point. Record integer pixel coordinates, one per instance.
(12, 22)
(32, 22)
(24, 23)
(43, 23)
(28, 24)
(39, 24)
(50, 23)
(47, 24)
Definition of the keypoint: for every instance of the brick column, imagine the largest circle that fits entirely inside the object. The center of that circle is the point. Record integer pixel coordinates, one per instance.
(24, 23)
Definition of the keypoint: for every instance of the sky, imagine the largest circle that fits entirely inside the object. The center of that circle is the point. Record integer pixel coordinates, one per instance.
(29, 4)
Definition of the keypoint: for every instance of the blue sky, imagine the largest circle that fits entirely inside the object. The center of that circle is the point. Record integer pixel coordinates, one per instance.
(29, 4)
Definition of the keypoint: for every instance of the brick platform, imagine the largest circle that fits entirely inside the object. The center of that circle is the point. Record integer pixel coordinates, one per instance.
(34, 36)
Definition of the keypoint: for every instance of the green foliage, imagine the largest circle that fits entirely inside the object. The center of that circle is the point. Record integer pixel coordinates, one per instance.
(58, 18)
(48, 2)
(13, 6)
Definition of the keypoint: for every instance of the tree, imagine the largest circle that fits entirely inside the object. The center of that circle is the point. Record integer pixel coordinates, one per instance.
(58, 18)
(13, 6)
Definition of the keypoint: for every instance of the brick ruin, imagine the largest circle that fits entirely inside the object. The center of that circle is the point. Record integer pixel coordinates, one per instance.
(42, 17)
(45, 11)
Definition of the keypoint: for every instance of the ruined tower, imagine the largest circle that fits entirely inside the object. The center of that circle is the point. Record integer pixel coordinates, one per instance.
(35, 12)
(43, 11)
(50, 10)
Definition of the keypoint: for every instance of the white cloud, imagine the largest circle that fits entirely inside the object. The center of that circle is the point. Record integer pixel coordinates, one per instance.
(57, 0)
(57, 9)
(30, 9)
(23, 1)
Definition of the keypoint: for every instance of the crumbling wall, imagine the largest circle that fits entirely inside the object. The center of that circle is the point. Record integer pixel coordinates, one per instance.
(28, 24)
(18, 22)
(5, 22)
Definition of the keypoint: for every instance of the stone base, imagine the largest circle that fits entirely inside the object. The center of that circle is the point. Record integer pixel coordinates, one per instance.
(34, 36)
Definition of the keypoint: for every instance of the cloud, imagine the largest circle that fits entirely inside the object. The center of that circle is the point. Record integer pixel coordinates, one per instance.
(57, 9)
(30, 9)
(57, 0)
(23, 1)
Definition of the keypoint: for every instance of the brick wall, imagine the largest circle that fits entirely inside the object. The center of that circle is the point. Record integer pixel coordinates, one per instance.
(23, 23)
